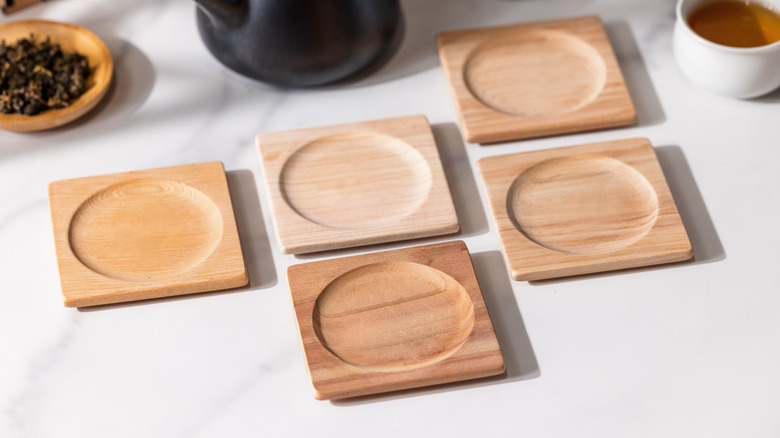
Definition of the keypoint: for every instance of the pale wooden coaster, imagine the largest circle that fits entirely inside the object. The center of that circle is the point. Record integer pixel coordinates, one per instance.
(145, 234)
(534, 79)
(583, 209)
(393, 320)
(356, 184)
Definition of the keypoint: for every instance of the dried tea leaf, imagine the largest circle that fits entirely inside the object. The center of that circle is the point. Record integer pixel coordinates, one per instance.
(36, 76)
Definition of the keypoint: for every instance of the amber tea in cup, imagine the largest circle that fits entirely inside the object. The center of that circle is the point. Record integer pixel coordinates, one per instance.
(736, 23)
(729, 47)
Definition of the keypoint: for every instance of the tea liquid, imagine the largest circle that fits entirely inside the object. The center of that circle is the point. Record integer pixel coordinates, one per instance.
(736, 23)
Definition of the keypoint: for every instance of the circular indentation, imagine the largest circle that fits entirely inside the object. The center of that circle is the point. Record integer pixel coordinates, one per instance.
(356, 180)
(535, 75)
(392, 316)
(145, 229)
(585, 204)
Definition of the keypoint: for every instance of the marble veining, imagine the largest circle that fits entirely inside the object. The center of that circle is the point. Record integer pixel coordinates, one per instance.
(22, 409)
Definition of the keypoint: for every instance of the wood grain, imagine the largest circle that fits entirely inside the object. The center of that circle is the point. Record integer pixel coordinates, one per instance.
(393, 320)
(145, 234)
(583, 209)
(71, 38)
(534, 79)
(356, 184)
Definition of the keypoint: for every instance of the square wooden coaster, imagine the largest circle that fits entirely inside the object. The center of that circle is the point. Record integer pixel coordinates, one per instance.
(145, 234)
(393, 320)
(583, 209)
(356, 184)
(534, 79)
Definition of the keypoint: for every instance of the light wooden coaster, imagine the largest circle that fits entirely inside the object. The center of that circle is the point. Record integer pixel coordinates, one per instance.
(583, 209)
(534, 79)
(393, 320)
(356, 184)
(146, 234)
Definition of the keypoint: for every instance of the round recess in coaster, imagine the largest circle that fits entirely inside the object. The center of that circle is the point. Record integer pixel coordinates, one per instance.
(393, 316)
(584, 204)
(537, 74)
(145, 229)
(356, 180)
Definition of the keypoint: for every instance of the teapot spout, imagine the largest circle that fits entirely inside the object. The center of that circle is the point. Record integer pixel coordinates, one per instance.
(224, 14)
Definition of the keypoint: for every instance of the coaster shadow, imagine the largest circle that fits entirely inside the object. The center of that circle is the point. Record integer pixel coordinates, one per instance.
(701, 231)
(493, 276)
(460, 178)
(251, 230)
(640, 86)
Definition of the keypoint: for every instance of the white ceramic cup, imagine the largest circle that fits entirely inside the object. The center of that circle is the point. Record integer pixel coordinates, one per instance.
(741, 72)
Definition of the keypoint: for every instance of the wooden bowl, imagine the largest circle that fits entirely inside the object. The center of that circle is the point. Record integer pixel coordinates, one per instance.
(71, 38)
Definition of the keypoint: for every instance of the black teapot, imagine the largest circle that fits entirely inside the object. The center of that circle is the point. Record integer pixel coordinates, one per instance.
(301, 43)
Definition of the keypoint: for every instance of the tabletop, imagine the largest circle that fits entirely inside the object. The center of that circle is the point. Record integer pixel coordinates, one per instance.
(686, 349)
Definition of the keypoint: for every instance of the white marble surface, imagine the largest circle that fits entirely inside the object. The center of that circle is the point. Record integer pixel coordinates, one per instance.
(691, 349)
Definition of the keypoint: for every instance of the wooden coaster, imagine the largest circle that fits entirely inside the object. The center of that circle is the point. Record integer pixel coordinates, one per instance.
(534, 79)
(583, 209)
(356, 184)
(393, 320)
(146, 234)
